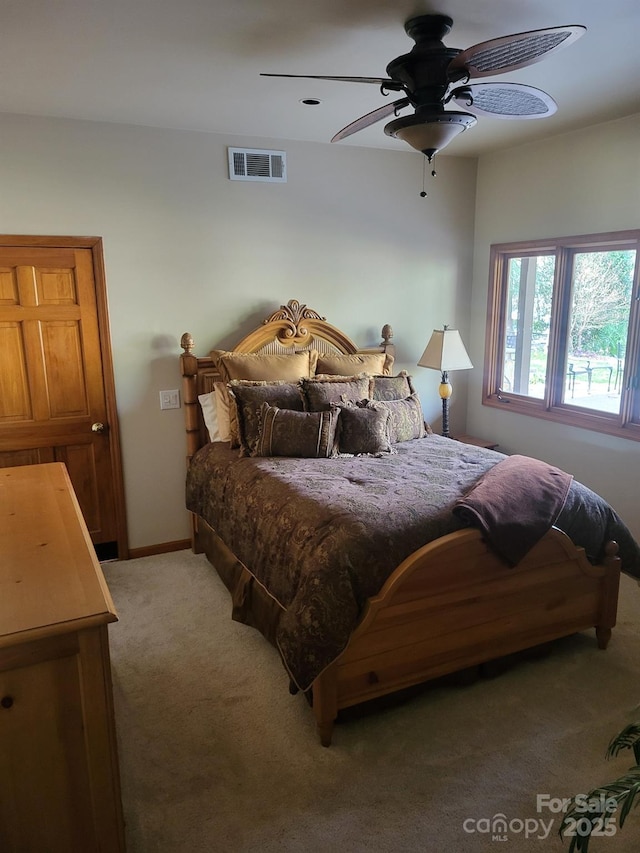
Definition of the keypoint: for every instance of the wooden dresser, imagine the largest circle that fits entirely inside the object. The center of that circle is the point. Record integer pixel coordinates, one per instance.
(59, 779)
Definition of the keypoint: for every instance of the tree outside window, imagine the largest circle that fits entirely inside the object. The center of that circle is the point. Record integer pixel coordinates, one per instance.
(563, 331)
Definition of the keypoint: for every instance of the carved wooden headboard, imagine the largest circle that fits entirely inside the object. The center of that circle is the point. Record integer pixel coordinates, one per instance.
(292, 328)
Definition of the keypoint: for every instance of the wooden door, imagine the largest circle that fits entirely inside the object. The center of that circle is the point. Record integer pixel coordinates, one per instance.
(57, 402)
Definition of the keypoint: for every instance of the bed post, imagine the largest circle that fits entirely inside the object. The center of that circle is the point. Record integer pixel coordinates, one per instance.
(325, 703)
(189, 367)
(386, 345)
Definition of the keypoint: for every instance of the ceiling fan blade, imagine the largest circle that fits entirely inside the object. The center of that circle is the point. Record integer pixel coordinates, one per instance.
(371, 118)
(505, 100)
(515, 51)
(385, 82)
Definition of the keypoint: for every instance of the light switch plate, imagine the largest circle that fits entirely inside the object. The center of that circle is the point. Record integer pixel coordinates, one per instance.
(170, 399)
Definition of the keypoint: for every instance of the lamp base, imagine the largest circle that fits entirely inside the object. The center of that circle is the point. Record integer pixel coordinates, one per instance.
(445, 417)
(445, 390)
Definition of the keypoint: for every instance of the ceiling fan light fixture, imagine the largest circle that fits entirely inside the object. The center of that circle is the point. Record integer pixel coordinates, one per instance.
(431, 132)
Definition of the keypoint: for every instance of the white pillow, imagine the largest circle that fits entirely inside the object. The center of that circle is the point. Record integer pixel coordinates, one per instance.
(210, 415)
(215, 411)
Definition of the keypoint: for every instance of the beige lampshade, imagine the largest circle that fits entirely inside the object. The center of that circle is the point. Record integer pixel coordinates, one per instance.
(445, 351)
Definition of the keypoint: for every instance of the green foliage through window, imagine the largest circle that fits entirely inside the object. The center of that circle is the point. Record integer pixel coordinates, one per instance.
(564, 330)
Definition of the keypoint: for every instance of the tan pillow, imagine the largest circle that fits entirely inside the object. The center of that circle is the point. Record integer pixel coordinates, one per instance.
(222, 408)
(345, 364)
(265, 367)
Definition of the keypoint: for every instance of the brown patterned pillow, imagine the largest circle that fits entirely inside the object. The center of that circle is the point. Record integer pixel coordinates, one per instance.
(407, 419)
(392, 387)
(285, 432)
(250, 396)
(357, 362)
(363, 430)
(321, 391)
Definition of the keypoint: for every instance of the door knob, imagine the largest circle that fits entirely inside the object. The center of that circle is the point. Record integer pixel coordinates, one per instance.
(98, 427)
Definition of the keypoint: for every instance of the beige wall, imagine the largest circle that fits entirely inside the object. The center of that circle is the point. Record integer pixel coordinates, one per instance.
(579, 183)
(187, 249)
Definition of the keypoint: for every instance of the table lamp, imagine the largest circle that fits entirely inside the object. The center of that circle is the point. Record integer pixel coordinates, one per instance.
(445, 351)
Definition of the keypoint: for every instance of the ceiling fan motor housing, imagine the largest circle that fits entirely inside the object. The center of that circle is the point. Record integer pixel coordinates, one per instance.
(424, 70)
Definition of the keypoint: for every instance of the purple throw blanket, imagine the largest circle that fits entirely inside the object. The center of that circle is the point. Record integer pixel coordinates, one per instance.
(515, 503)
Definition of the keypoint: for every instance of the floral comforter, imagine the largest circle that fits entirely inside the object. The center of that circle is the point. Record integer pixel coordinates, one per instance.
(323, 535)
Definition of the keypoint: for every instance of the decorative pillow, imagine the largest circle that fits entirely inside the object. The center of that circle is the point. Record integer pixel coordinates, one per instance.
(288, 367)
(407, 419)
(343, 364)
(210, 415)
(321, 391)
(222, 407)
(363, 430)
(285, 432)
(346, 363)
(392, 387)
(250, 396)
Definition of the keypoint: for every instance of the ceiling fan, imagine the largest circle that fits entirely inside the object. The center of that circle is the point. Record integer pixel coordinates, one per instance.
(432, 75)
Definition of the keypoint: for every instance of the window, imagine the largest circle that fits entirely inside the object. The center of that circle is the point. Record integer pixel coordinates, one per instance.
(563, 331)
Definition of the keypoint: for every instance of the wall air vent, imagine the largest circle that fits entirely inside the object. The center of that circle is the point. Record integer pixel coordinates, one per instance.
(255, 164)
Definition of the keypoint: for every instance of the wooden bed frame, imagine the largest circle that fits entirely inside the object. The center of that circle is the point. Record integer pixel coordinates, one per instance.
(451, 605)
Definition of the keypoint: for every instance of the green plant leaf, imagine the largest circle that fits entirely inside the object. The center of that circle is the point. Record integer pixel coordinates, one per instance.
(628, 738)
(625, 791)
(632, 781)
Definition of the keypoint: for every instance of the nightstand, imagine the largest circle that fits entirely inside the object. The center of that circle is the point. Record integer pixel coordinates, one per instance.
(477, 442)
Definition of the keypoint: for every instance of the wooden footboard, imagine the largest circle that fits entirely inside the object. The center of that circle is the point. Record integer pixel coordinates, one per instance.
(451, 605)
(454, 604)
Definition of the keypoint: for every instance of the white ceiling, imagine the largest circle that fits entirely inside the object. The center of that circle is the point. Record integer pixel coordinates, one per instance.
(195, 64)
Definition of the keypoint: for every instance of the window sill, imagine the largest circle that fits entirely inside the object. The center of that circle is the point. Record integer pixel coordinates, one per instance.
(565, 415)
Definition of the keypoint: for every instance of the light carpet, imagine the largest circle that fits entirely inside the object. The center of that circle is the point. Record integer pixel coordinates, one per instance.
(215, 755)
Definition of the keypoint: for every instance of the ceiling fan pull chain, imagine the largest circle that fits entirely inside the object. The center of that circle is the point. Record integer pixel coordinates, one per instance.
(431, 159)
(423, 194)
